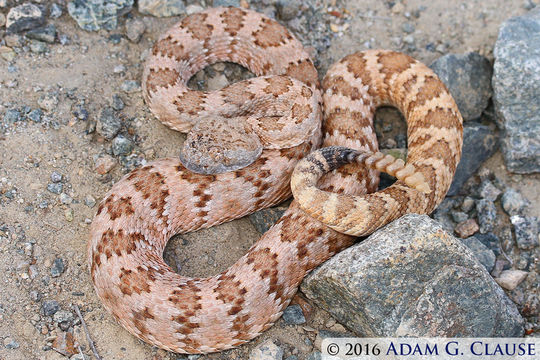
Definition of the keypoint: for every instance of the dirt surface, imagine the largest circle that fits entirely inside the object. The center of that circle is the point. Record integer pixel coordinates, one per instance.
(36, 227)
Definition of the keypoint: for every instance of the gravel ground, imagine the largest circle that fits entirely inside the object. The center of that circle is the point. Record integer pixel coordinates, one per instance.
(72, 122)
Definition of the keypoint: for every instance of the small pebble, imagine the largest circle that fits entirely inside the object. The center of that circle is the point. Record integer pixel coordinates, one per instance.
(55, 11)
(225, 3)
(510, 279)
(293, 315)
(89, 201)
(49, 307)
(489, 191)
(10, 343)
(12, 116)
(130, 86)
(55, 188)
(466, 228)
(46, 34)
(104, 164)
(7, 53)
(38, 47)
(119, 69)
(2, 20)
(135, 29)
(266, 351)
(35, 115)
(481, 252)
(121, 145)
(467, 204)
(117, 102)
(487, 215)
(68, 214)
(58, 267)
(407, 27)
(526, 231)
(513, 202)
(217, 82)
(459, 216)
(56, 177)
(48, 102)
(193, 8)
(108, 123)
(65, 199)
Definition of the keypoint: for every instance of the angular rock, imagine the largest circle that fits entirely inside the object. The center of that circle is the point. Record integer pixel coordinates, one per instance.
(411, 278)
(516, 85)
(294, 315)
(468, 78)
(50, 307)
(109, 124)
(466, 228)
(487, 215)
(266, 351)
(481, 252)
(121, 145)
(98, 14)
(510, 279)
(479, 143)
(46, 34)
(491, 241)
(162, 8)
(135, 29)
(488, 191)
(513, 202)
(526, 231)
(24, 17)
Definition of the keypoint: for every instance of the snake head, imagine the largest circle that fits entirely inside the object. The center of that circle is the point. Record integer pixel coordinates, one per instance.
(216, 145)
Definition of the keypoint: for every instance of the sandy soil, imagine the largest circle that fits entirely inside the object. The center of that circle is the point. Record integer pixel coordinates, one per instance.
(34, 234)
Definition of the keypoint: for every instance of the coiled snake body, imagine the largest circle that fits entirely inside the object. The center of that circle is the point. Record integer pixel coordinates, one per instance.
(247, 138)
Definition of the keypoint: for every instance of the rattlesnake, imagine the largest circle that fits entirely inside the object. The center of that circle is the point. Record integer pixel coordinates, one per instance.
(149, 205)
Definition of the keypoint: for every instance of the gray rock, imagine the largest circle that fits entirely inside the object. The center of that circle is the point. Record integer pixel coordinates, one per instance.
(526, 231)
(491, 241)
(162, 8)
(56, 177)
(411, 278)
(121, 145)
(479, 143)
(481, 252)
(235, 3)
(38, 47)
(510, 279)
(130, 86)
(12, 116)
(89, 201)
(135, 29)
(316, 355)
(488, 191)
(98, 14)
(468, 77)
(288, 9)
(117, 102)
(293, 315)
(108, 123)
(513, 202)
(10, 343)
(487, 215)
(35, 115)
(516, 85)
(48, 102)
(407, 27)
(55, 11)
(55, 188)
(459, 216)
(57, 267)
(264, 219)
(266, 351)
(24, 17)
(49, 307)
(46, 34)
